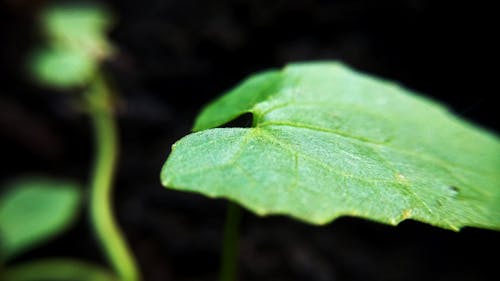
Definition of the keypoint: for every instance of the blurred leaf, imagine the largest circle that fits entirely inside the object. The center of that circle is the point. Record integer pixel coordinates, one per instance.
(81, 28)
(56, 270)
(77, 43)
(328, 141)
(33, 211)
(62, 68)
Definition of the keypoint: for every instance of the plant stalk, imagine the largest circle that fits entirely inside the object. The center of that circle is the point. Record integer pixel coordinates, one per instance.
(228, 270)
(106, 228)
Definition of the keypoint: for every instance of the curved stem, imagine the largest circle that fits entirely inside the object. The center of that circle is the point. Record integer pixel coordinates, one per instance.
(229, 256)
(106, 146)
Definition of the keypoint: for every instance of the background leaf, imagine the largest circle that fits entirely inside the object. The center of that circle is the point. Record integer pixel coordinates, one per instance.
(328, 141)
(57, 270)
(80, 28)
(34, 210)
(77, 42)
(62, 68)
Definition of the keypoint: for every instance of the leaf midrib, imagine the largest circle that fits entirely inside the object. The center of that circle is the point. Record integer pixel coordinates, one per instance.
(421, 155)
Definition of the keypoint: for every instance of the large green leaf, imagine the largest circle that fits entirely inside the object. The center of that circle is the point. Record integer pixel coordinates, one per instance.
(328, 141)
(34, 210)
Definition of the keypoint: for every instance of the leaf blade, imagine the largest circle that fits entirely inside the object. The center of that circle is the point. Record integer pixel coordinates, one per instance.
(34, 210)
(57, 269)
(352, 145)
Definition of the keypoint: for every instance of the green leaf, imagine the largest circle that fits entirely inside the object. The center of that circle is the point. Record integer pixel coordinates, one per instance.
(328, 141)
(81, 28)
(33, 211)
(56, 270)
(77, 43)
(62, 68)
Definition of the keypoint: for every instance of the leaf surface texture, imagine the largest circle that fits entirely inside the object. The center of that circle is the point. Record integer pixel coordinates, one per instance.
(328, 141)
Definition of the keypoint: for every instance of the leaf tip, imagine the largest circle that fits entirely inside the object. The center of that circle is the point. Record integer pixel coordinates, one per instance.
(165, 177)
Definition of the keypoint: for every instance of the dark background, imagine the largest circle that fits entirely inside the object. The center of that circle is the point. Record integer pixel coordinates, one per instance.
(175, 56)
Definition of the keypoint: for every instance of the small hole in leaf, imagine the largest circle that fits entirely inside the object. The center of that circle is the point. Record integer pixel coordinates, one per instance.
(243, 121)
(454, 190)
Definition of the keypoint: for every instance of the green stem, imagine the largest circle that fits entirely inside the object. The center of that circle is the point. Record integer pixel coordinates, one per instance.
(106, 142)
(229, 256)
